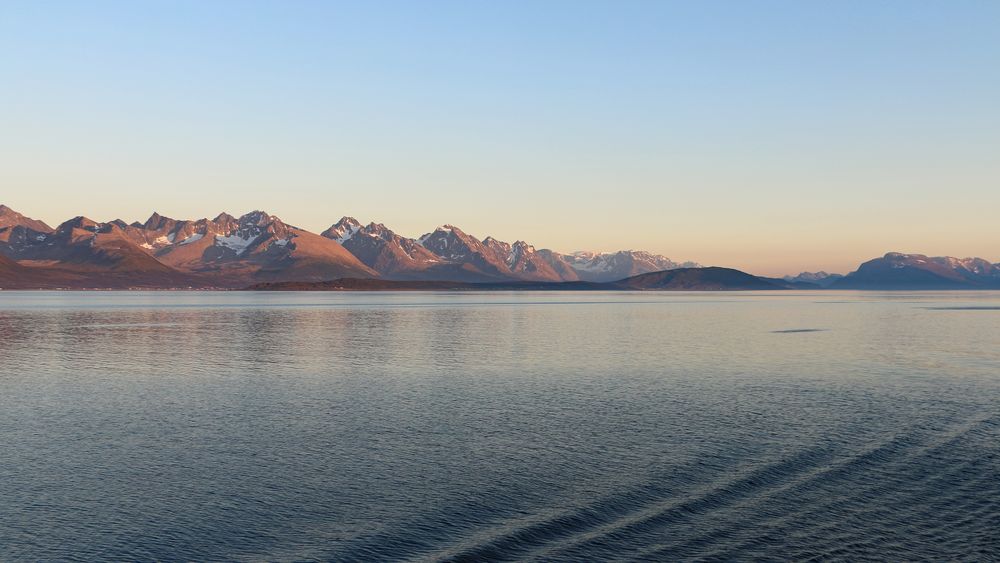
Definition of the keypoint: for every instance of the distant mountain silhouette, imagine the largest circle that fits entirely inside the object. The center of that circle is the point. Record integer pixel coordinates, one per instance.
(896, 271)
(821, 279)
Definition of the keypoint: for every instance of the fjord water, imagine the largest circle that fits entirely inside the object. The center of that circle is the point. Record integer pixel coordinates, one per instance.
(471, 426)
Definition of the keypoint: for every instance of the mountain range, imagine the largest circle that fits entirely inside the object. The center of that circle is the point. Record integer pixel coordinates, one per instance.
(232, 252)
(258, 249)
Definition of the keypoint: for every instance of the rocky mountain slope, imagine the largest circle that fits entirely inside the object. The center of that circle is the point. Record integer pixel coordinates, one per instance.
(397, 257)
(255, 246)
(230, 251)
(449, 253)
(11, 218)
(162, 252)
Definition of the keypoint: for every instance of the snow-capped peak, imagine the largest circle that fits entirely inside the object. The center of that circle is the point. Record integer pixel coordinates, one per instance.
(343, 230)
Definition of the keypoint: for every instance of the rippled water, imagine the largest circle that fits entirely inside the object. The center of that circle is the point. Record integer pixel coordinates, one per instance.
(576, 426)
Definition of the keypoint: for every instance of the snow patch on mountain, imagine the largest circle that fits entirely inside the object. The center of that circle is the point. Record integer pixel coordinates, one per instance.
(235, 243)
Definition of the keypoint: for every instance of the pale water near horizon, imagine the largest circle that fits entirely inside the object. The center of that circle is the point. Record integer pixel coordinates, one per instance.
(480, 426)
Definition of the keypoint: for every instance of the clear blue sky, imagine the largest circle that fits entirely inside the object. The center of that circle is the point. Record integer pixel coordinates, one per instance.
(770, 136)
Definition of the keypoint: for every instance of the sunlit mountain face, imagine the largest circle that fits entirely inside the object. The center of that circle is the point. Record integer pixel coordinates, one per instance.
(230, 251)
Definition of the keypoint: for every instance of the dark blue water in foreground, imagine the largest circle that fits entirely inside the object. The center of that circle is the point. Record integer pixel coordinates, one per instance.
(576, 426)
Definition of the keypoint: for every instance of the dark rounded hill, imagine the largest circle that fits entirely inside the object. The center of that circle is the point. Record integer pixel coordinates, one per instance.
(698, 279)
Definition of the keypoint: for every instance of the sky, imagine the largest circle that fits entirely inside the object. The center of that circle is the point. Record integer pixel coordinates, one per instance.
(773, 137)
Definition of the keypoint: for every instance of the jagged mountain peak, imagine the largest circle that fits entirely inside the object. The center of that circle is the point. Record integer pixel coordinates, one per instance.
(158, 222)
(258, 218)
(343, 230)
(518, 251)
(446, 229)
(490, 241)
(449, 239)
(381, 231)
(79, 222)
(11, 218)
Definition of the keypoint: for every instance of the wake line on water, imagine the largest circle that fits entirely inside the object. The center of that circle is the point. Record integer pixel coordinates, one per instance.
(762, 484)
(622, 520)
(900, 451)
(615, 513)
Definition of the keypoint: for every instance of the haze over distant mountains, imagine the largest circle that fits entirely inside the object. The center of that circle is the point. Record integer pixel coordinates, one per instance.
(258, 248)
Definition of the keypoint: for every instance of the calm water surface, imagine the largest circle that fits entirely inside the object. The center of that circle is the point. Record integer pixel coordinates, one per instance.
(539, 426)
